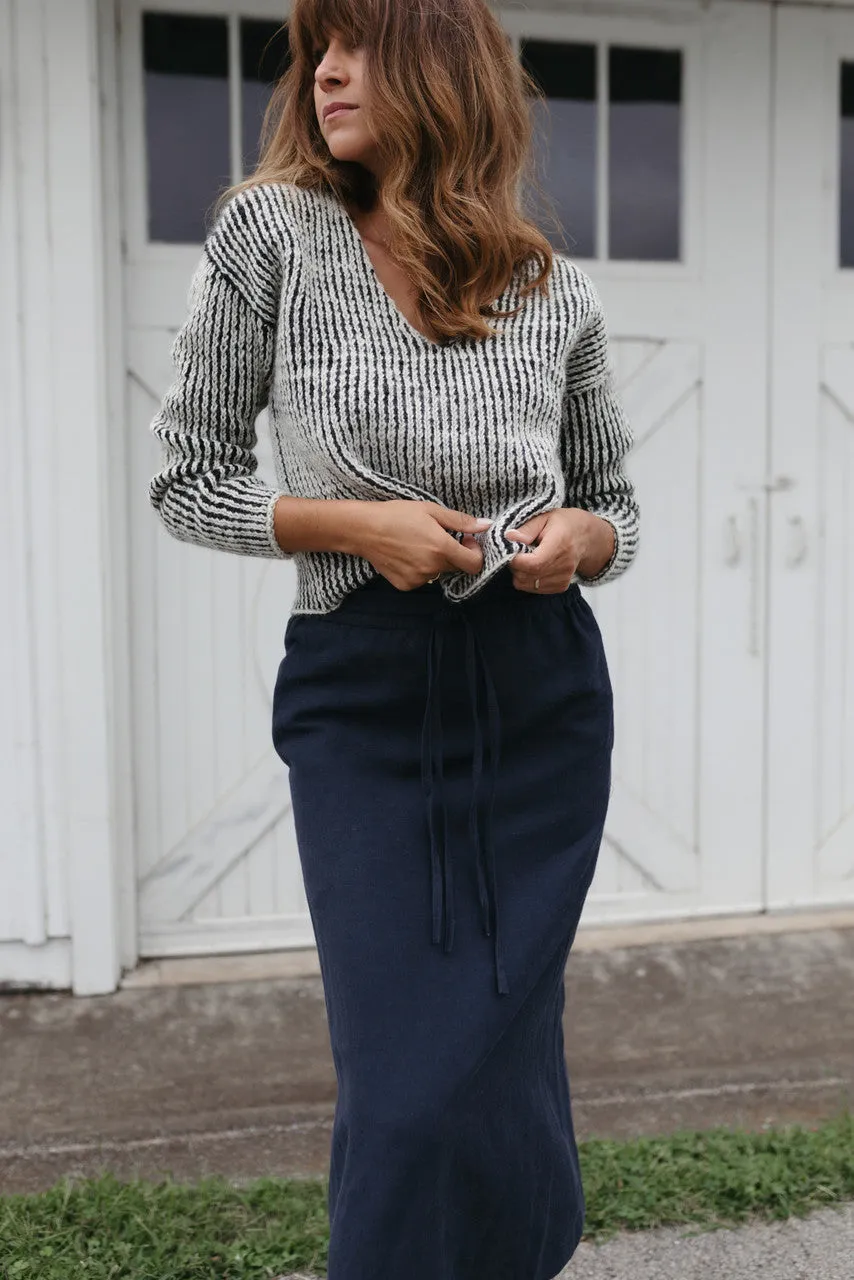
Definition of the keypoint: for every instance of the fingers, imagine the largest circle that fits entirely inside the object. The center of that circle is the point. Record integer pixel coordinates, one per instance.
(525, 573)
(448, 518)
(551, 542)
(538, 570)
(548, 584)
(530, 530)
(464, 554)
(469, 559)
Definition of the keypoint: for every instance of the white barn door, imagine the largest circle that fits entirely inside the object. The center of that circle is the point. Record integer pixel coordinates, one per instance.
(811, 684)
(217, 860)
(659, 148)
(658, 162)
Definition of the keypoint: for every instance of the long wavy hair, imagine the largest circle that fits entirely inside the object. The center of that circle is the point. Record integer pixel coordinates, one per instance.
(451, 113)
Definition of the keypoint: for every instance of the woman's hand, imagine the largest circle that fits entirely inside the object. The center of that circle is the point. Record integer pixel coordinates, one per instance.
(569, 541)
(408, 541)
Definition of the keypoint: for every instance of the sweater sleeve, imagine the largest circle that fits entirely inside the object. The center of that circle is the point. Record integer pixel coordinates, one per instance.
(596, 437)
(206, 490)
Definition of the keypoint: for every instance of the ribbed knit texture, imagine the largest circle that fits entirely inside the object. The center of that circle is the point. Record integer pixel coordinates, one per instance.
(285, 310)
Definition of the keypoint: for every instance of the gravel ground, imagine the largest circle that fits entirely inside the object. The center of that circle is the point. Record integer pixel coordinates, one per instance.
(820, 1247)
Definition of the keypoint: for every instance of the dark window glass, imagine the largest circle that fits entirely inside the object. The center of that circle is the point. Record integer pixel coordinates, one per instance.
(846, 183)
(645, 154)
(186, 122)
(264, 57)
(565, 128)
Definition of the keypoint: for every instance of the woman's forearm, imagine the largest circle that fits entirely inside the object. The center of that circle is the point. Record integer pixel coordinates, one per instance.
(321, 524)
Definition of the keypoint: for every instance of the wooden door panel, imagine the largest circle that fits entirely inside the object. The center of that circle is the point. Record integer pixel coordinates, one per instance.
(215, 822)
(685, 628)
(811, 677)
(834, 639)
(651, 631)
(225, 836)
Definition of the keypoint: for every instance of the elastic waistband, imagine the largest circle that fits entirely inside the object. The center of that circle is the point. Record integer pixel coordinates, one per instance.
(381, 599)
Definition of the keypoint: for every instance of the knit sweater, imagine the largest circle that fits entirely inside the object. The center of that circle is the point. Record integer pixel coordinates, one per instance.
(286, 311)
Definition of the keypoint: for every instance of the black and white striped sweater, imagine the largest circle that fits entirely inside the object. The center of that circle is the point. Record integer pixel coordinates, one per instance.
(285, 310)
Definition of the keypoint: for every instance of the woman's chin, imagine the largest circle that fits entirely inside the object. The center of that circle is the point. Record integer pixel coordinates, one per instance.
(347, 149)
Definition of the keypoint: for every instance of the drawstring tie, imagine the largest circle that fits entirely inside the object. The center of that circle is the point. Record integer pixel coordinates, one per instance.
(441, 872)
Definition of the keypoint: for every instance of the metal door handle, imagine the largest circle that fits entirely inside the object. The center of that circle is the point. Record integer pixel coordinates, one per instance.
(733, 546)
(771, 484)
(754, 633)
(797, 552)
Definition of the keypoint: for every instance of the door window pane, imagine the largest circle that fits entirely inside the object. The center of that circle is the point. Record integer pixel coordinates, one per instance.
(264, 56)
(565, 137)
(846, 184)
(186, 122)
(645, 153)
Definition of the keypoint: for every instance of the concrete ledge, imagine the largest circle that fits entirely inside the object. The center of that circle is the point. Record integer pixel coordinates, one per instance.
(190, 970)
(613, 936)
(303, 962)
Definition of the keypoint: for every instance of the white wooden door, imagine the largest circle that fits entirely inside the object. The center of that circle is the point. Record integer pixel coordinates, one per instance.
(217, 860)
(655, 124)
(663, 179)
(811, 676)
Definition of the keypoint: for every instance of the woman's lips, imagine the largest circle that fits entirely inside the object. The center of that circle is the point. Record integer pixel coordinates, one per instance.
(339, 111)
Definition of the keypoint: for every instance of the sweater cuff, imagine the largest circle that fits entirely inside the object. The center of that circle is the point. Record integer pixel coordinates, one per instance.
(621, 558)
(278, 550)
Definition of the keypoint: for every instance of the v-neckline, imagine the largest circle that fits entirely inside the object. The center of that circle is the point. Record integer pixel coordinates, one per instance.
(369, 271)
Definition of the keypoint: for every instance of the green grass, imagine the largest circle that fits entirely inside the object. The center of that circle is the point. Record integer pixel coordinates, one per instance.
(718, 1178)
(105, 1229)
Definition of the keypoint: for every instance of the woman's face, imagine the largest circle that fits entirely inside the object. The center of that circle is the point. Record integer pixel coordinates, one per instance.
(338, 78)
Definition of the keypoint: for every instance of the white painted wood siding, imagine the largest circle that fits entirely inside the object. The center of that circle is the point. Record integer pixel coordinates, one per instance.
(217, 864)
(811, 676)
(685, 628)
(23, 891)
(58, 739)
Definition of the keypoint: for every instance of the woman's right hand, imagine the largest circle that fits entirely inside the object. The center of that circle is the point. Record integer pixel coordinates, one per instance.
(408, 541)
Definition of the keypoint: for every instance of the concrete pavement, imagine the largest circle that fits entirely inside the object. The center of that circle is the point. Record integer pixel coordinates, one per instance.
(820, 1247)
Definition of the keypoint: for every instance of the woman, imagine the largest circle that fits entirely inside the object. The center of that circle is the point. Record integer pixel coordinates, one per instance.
(449, 456)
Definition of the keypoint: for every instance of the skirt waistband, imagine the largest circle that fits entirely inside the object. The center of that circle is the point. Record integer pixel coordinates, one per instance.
(380, 598)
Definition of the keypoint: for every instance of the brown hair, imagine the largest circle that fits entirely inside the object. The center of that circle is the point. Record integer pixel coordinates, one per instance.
(454, 106)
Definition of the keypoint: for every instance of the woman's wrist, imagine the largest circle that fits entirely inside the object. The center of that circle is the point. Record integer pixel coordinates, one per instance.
(321, 524)
(600, 549)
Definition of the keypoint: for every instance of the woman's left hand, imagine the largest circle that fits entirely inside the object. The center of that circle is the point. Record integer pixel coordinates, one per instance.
(569, 541)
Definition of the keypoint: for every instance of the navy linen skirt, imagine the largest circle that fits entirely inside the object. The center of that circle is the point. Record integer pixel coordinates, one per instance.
(449, 768)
